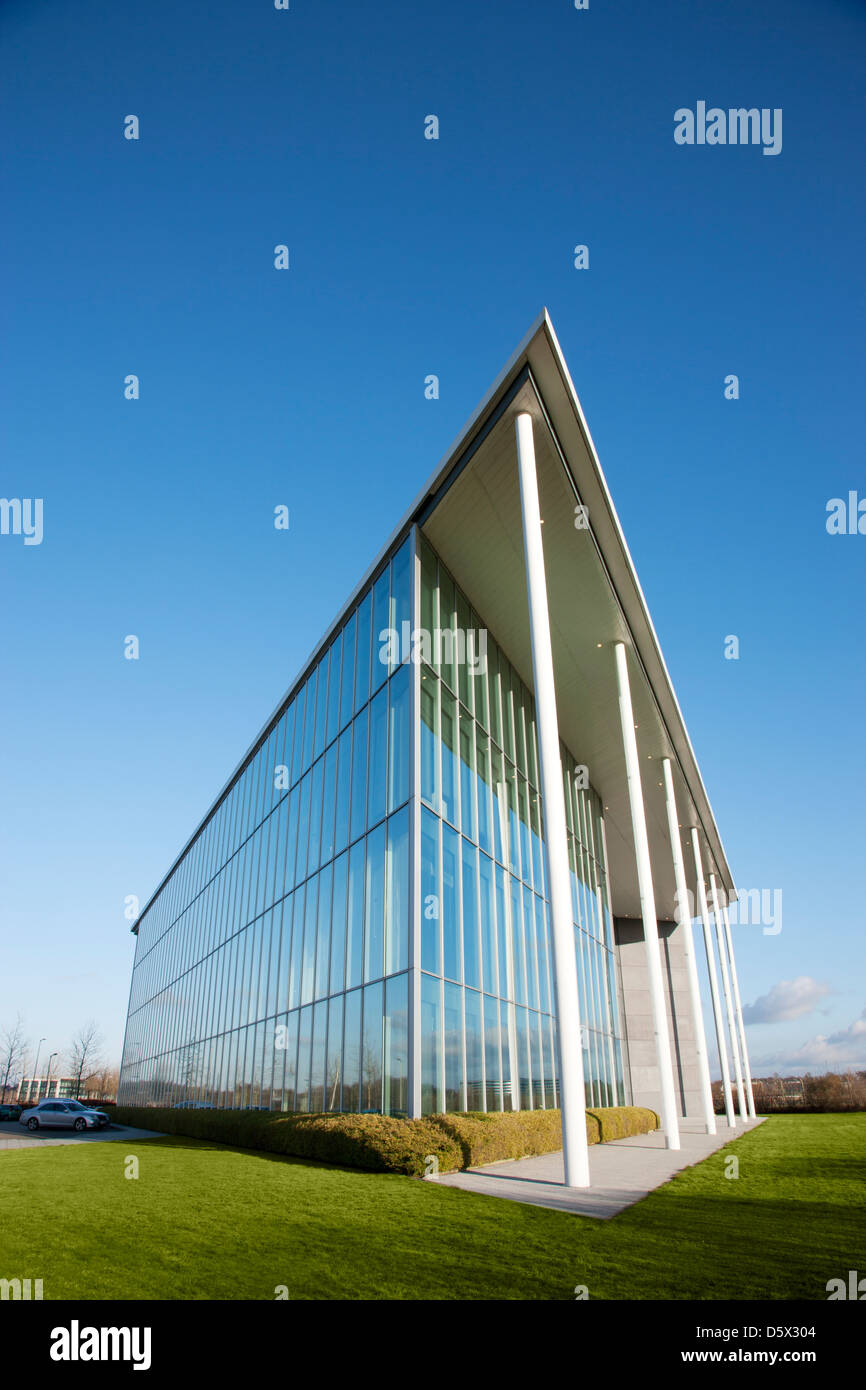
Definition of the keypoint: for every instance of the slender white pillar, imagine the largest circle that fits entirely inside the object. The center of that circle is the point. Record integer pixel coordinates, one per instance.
(670, 1121)
(729, 1000)
(685, 920)
(738, 1009)
(571, 1083)
(714, 984)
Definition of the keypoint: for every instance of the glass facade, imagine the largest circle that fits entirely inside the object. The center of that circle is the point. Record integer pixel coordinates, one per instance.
(272, 967)
(488, 1039)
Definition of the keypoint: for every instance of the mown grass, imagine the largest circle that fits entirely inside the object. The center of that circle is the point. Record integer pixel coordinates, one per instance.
(204, 1221)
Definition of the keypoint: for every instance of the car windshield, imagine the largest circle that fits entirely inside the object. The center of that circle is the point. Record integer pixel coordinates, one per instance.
(73, 1105)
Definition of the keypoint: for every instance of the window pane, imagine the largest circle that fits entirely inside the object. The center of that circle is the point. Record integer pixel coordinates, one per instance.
(334, 1063)
(338, 925)
(381, 590)
(429, 746)
(429, 595)
(315, 817)
(374, 906)
(347, 675)
(310, 720)
(362, 654)
(432, 1073)
(471, 972)
(291, 1069)
(303, 827)
(355, 922)
(397, 918)
(488, 924)
(401, 587)
(371, 1050)
(334, 689)
(450, 903)
(317, 1064)
(492, 1062)
(321, 705)
(359, 776)
(378, 763)
(467, 778)
(448, 716)
(446, 623)
(431, 912)
(329, 793)
(352, 1052)
(474, 1051)
(308, 965)
(323, 933)
(344, 782)
(398, 739)
(453, 1047)
(396, 1045)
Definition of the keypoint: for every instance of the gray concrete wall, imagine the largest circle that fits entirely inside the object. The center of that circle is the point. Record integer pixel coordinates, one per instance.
(637, 1016)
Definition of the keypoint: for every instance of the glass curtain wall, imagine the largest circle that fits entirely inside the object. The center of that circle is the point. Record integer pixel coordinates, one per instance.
(272, 966)
(487, 1002)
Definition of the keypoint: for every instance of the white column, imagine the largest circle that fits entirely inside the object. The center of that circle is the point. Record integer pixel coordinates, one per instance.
(685, 920)
(714, 984)
(414, 1059)
(571, 1083)
(729, 1001)
(738, 1009)
(647, 903)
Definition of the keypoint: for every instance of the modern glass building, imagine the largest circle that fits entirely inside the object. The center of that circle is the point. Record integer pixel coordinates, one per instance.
(363, 920)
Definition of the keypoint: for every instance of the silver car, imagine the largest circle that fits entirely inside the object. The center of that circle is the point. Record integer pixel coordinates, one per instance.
(62, 1114)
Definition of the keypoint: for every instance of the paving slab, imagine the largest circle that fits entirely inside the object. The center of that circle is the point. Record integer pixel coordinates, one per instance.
(15, 1136)
(621, 1172)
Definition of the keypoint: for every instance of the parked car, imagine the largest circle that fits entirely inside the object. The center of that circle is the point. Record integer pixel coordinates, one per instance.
(10, 1112)
(63, 1114)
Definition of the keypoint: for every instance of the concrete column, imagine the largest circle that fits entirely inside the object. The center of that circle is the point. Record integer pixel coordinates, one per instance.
(670, 1122)
(571, 1082)
(729, 1001)
(685, 921)
(738, 1009)
(714, 984)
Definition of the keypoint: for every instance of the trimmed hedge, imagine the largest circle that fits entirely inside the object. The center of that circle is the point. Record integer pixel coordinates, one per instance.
(379, 1143)
(621, 1121)
(384, 1144)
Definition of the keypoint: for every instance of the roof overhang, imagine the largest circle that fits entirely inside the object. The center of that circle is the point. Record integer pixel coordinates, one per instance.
(471, 512)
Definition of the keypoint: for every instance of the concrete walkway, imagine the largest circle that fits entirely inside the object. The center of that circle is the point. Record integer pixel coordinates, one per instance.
(621, 1172)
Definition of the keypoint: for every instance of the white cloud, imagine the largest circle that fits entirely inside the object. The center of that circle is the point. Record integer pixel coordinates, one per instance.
(836, 1052)
(786, 1000)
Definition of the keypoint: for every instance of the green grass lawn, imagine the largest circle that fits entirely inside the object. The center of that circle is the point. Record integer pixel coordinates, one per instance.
(207, 1222)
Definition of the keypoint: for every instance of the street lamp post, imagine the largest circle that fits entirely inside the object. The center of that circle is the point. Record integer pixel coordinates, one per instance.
(48, 1082)
(36, 1070)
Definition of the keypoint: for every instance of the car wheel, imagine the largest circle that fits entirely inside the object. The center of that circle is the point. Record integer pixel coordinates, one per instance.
(80, 1125)
(33, 1123)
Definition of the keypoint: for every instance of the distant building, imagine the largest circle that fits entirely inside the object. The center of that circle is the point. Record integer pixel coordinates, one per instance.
(35, 1088)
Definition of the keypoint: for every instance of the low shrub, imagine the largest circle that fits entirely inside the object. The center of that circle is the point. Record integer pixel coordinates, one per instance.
(379, 1143)
(494, 1136)
(621, 1121)
(385, 1144)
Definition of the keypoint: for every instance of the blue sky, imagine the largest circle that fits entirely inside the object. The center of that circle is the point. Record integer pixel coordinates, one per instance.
(306, 387)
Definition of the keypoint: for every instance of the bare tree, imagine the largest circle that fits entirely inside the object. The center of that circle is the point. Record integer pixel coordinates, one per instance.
(13, 1046)
(85, 1054)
